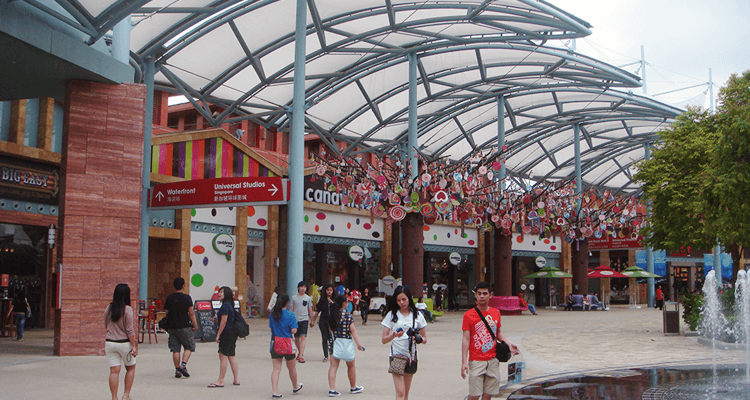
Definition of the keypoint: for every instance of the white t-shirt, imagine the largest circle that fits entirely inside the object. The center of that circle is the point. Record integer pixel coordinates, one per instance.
(300, 306)
(400, 345)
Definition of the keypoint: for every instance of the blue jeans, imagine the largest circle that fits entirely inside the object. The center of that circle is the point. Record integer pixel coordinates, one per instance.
(532, 308)
(427, 314)
(20, 320)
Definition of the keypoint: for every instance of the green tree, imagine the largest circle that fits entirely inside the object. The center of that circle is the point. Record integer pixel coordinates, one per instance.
(699, 176)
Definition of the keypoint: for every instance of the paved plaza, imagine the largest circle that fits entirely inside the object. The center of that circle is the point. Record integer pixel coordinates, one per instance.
(553, 343)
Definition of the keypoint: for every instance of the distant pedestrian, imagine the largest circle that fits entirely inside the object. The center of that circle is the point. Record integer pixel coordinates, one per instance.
(345, 338)
(283, 324)
(120, 344)
(322, 314)
(523, 302)
(405, 328)
(422, 308)
(19, 309)
(181, 325)
(659, 298)
(364, 307)
(302, 307)
(226, 338)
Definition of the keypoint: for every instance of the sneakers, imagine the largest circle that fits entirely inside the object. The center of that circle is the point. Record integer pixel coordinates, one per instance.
(333, 393)
(183, 370)
(356, 389)
(177, 373)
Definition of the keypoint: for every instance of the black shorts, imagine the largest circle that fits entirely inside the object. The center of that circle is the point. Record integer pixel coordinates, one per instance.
(410, 368)
(227, 343)
(301, 328)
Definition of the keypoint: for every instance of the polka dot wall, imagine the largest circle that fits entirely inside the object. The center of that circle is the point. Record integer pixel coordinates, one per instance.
(324, 223)
(444, 235)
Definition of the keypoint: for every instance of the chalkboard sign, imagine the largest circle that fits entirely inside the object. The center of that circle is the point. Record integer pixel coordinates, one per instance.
(207, 323)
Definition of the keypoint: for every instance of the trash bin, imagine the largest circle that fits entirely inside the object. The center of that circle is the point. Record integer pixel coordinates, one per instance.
(671, 314)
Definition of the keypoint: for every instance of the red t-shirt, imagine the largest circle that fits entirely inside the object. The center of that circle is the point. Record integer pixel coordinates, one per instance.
(481, 345)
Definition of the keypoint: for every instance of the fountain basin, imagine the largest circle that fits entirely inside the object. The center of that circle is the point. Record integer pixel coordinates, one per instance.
(690, 382)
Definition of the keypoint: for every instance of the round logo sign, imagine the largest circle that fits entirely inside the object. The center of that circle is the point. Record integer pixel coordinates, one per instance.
(541, 262)
(454, 258)
(356, 253)
(224, 244)
(531, 287)
(523, 286)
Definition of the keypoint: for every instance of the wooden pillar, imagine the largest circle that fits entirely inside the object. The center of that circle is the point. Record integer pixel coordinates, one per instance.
(480, 264)
(100, 208)
(182, 220)
(579, 265)
(46, 116)
(503, 273)
(271, 251)
(386, 250)
(605, 283)
(413, 252)
(240, 259)
(565, 265)
(17, 122)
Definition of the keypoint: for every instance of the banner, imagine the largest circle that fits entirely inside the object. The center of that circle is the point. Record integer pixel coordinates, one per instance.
(726, 265)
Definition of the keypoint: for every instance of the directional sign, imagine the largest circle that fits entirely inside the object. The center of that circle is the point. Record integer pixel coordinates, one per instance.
(221, 192)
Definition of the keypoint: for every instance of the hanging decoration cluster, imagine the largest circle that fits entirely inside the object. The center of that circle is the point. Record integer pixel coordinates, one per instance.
(470, 193)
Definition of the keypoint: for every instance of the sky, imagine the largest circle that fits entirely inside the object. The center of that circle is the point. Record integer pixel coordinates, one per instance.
(682, 40)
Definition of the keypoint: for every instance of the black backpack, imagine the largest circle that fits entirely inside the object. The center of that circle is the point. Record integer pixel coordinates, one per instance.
(241, 328)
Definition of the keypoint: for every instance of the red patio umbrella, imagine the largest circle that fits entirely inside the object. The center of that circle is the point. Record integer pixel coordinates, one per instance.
(604, 271)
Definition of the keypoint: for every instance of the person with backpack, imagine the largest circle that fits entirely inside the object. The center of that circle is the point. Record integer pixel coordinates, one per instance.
(283, 324)
(227, 338)
(405, 327)
(181, 325)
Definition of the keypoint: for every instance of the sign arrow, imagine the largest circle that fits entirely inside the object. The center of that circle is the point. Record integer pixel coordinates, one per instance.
(159, 196)
(274, 190)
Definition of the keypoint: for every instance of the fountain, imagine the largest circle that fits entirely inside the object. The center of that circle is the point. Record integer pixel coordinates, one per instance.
(690, 382)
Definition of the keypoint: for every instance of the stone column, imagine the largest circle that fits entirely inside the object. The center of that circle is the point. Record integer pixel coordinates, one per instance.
(100, 208)
(240, 260)
(503, 273)
(579, 264)
(413, 252)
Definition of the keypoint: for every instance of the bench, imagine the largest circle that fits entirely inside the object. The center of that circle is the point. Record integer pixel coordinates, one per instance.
(508, 305)
(578, 304)
(430, 308)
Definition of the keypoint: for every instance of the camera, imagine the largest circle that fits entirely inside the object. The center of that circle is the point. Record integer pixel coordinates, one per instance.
(415, 333)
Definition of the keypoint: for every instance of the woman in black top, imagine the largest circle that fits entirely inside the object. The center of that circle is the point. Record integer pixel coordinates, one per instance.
(18, 309)
(226, 338)
(323, 311)
(365, 306)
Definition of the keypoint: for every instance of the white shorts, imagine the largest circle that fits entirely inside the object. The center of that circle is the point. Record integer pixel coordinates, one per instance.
(484, 377)
(117, 353)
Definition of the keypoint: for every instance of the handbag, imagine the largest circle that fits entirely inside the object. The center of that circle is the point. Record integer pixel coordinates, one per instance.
(283, 346)
(502, 350)
(398, 364)
(343, 349)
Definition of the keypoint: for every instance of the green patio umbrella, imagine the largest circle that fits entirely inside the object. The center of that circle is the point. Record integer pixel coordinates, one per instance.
(548, 272)
(637, 272)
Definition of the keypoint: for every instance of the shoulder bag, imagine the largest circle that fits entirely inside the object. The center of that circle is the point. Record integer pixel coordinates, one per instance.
(399, 362)
(502, 350)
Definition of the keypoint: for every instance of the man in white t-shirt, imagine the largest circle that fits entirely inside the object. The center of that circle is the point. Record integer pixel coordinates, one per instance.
(302, 307)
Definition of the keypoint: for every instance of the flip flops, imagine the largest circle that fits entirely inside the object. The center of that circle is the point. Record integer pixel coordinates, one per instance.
(213, 385)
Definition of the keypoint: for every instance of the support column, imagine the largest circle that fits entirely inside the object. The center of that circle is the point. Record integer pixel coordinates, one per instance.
(579, 265)
(100, 208)
(412, 148)
(297, 156)
(413, 252)
(182, 221)
(579, 248)
(46, 116)
(271, 252)
(503, 273)
(650, 290)
(240, 257)
(149, 72)
(480, 263)
(386, 252)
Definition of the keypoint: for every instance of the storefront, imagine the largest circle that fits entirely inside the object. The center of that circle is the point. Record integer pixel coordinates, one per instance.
(530, 253)
(342, 249)
(450, 262)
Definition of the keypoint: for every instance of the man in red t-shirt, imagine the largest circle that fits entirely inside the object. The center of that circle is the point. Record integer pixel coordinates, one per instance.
(478, 349)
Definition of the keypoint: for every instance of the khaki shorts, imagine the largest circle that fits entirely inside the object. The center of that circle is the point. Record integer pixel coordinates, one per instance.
(117, 353)
(484, 377)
